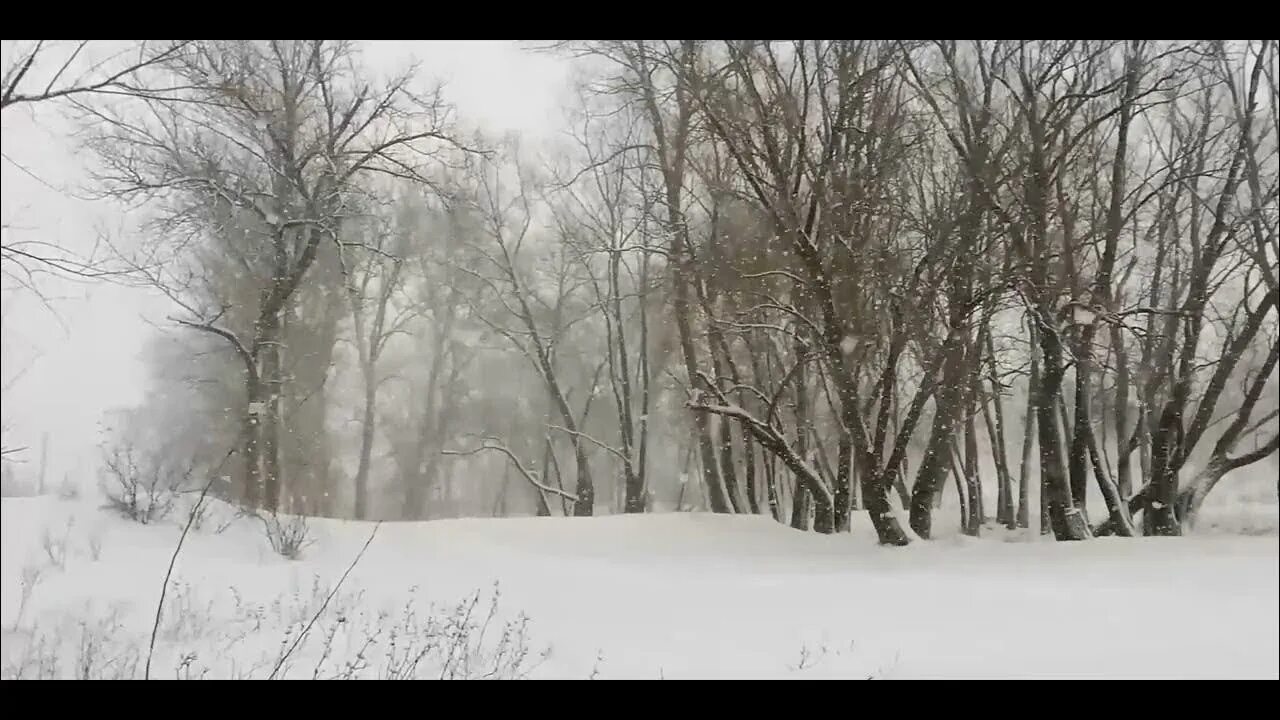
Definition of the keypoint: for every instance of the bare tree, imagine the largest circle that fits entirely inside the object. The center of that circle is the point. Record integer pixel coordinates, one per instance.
(507, 209)
(270, 137)
(655, 77)
(372, 281)
(52, 72)
(603, 216)
(1171, 441)
(46, 70)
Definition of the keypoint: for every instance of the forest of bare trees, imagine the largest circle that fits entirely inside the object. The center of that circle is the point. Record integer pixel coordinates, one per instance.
(823, 281)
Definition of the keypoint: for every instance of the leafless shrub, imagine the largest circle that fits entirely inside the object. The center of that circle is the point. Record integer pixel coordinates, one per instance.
(164, 586)
(31, 576)
(55, 546)
(30, 656)
(452, 645)
(808, 658)
(811, 657)
(95, 661)
(183, 669)
(198, 514)
(289, 535)
(86, 645)
(213, 513)
(466, 641)
(68, 490)
(595, 669)
(142, 489)
(13, 486)
(185, 619)
(228, 521)
(94, 545)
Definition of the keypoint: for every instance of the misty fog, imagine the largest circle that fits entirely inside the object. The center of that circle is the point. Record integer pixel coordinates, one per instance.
(798, 298)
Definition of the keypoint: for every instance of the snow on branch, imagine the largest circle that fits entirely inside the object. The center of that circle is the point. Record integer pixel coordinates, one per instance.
(768, 436)
(593, 441)
(209, 327)
(490, 443)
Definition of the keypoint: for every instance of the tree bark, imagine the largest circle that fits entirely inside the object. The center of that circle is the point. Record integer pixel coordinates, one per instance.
(1064, 518)
(270, 420)
(1005, 511)
(1024, 469)
(749, 474)
(251, 482)
(972, 476)
(933, 468)
(801, 501)
(1124, 460)
(1117, 509)
(1078, 454)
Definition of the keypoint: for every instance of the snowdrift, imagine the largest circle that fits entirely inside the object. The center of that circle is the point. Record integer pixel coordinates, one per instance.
(656, 596)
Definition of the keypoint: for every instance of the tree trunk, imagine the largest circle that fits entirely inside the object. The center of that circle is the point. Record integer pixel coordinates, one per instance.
(973, 396)
(966, 503)
(413, 476)
(1078, 454)
(801, 500)
(846, 492)
(1024, 468)
(1116, 507)
(1064, 518)
(771, 488)
(1159, 516)
(801, 507)
(633, 484)
(749, 473)
(1030, 426)
(766, 468)
(1005, 512)
(671, 157)
(1045, 524)
(933, 468)
(540, 501)
(251, 481)
(855, 487)
(970, 508)
(972, 476)
(366, 449)
(728, 471)
(270, 420)
(876, 498)
(1124, 462)
(904, 493)
(932, 472)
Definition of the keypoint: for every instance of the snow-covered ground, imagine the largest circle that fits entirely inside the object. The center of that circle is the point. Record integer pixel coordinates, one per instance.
(673, 596)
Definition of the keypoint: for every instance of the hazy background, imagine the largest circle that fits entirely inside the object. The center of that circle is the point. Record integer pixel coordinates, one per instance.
(79, 353)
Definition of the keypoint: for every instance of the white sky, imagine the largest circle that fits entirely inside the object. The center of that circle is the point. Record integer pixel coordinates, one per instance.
(84, 357)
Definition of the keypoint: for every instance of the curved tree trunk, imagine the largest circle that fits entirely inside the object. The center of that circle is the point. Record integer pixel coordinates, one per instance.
(1117, 508)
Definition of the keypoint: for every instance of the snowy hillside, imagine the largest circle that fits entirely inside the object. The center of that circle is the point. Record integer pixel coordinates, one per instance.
(673, 596)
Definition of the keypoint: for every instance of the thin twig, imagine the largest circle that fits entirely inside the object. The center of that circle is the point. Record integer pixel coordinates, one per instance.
(164, 588)
(324, 604)
(529, 475)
